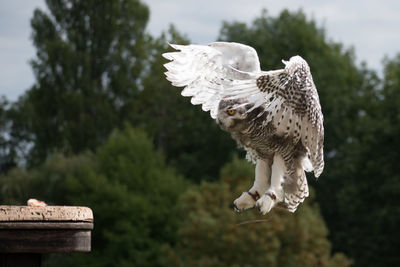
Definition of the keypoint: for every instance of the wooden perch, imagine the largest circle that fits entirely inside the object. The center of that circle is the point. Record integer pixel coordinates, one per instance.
(27, 232)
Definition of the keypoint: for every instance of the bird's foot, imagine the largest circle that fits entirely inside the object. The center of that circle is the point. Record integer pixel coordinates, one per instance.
(267, 202)
(246, 201)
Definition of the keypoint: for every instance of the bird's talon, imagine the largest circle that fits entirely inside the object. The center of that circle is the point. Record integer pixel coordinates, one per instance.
(266, 203)
(244, 202)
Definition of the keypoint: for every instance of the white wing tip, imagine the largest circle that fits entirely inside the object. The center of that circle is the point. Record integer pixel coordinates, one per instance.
(307, 165)
(318, 172)
(167, 56)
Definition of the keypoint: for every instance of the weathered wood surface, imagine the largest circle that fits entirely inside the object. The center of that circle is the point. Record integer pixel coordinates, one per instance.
(51, 229)
(48, 213)
(44, 241)
(46, 225)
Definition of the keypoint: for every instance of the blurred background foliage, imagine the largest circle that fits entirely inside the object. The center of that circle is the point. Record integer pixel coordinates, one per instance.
(101, 127)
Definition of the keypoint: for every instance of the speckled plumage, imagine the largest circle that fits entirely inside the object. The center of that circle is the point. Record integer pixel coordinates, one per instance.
(275, 115)
(261, 140)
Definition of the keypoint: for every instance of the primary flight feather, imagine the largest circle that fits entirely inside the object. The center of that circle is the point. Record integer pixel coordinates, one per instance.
(275, 115)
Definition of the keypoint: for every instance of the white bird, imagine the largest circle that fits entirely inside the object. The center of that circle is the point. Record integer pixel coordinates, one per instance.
(275, 115)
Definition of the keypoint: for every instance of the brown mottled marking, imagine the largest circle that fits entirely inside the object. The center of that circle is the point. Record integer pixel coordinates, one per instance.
(271, 195)
(255, 195)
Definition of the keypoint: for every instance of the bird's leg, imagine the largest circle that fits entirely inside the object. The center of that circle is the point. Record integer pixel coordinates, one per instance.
(275, 193)
(248, 199)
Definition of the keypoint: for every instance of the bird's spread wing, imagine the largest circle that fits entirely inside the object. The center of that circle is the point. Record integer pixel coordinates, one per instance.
(202, 70)
(231, 71)
(291, 103)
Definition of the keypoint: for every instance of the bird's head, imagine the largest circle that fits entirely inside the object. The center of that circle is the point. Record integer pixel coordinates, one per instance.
(232, 115)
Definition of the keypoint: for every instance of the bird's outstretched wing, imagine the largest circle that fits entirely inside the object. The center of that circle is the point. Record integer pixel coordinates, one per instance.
(231, 71)
(291, 103)
(202, 69)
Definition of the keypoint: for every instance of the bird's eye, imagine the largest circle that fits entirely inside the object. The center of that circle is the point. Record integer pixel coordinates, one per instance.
(231, 112)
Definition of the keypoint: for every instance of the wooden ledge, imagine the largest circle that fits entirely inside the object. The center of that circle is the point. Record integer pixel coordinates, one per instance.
(46, 225)
(50, 229)
(48, 213)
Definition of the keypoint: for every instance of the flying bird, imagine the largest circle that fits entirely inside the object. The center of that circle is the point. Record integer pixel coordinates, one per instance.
(274, 115)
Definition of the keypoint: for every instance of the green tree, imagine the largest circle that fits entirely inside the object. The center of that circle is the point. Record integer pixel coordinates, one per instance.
(351, 104)
(89, 58)
(7, 151)
(211, 233)
(367, 204)
(132, 192)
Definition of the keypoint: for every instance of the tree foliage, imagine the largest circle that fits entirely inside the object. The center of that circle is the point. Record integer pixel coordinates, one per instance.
(7, 151)
(360, 112)
(132, 192)
(89, 59)
(366, 211)
(211, 234)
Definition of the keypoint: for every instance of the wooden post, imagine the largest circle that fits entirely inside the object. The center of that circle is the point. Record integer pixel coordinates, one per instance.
(28, 232)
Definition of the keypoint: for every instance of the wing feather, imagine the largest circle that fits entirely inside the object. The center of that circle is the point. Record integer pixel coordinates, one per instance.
(204, 70)
(292, 105)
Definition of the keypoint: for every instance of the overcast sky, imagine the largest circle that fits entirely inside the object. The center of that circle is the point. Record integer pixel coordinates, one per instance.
(372, 27)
